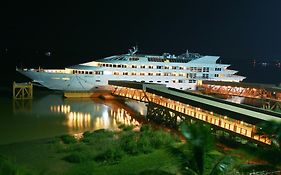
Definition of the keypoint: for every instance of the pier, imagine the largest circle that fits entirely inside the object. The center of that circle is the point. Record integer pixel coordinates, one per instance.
(171, 107)
(22, 90)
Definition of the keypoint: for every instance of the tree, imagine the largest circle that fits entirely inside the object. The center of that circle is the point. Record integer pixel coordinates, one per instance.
(200, 146)
(273, 130)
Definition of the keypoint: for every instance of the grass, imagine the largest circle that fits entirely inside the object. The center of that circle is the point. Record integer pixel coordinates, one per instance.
(106, 152)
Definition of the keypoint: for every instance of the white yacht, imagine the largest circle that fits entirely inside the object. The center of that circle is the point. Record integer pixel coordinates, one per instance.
(184, 72)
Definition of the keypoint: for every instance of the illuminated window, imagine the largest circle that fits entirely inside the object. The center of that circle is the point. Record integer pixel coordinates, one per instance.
(99, 72)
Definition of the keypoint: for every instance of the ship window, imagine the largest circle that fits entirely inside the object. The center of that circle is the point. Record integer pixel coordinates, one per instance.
(114, 65)
(82, 72)
(86, 72)
(90, 72)
(192, 75)
(158, 81)
(166, 81)
(142, 73)
(205, 75)
(158, 74)
(150, 67)
(134, 73)
(166, 67)
(110, 65)
(150, 81)
(205, 69)
(124, 66)
(125, 73)
(150, 74)
(181, 81)
(174, 67)
(159, 67)
(119, 66)
(142, 66)
(180, 74)
(216, 75)
(166, 74)
(134, 66)
(217, 69)
(103, 65)
(99, 72)
(134, 59)
(174, 81)
(181, 68)
(97, 80)
(115, 73)
(142, 81)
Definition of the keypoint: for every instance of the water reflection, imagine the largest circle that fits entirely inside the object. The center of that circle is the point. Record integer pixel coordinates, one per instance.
(50, 115)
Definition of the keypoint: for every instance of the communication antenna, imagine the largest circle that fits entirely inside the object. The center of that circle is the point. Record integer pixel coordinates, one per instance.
(187, 53)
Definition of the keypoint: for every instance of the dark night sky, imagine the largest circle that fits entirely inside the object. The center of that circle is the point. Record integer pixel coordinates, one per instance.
(76, 32)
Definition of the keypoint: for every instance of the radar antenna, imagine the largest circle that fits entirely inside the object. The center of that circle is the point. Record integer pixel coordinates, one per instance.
(133, 51)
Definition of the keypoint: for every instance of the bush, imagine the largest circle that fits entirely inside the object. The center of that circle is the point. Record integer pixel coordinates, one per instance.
(128, 142)
(76, 157)
(111, 155)
(146, 128)
(126, 127)
(68, 139)
(161, 138)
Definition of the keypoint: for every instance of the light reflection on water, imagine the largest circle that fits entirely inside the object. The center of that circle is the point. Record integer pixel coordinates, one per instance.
(51, 115)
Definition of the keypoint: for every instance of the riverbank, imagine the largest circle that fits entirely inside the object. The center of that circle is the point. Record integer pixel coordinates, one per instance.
(106, 152)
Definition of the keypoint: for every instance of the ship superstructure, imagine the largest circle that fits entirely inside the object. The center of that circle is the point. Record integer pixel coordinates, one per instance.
(184, 72)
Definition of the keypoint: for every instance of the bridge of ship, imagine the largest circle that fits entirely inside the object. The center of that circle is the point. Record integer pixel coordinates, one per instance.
(171, 107)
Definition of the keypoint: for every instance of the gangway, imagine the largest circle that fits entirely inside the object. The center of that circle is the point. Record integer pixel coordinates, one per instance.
(173, 106)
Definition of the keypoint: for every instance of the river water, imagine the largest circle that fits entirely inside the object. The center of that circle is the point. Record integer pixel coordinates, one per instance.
(49, 114)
